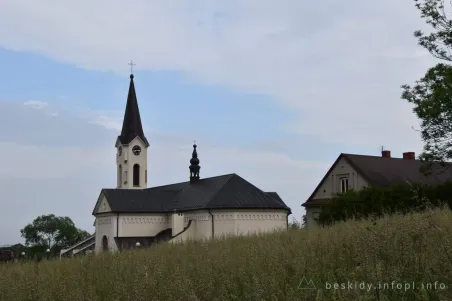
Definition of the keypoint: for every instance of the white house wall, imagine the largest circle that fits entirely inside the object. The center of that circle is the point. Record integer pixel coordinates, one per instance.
(311, 214)
(331, 186)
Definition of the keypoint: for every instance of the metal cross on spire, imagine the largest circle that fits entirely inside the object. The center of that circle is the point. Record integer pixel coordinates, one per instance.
(131, 64)
(194, 141)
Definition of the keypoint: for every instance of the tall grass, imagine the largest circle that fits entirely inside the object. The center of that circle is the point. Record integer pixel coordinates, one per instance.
(393, 251)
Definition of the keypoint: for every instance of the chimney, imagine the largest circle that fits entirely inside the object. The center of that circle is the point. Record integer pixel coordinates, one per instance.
(409, 156)
(386, 154)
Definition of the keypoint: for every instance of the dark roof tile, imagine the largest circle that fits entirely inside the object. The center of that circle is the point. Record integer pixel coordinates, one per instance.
(381, 171)
(275, 196)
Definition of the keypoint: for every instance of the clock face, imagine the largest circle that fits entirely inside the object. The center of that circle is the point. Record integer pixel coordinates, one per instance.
(120, 151)
(136, 150)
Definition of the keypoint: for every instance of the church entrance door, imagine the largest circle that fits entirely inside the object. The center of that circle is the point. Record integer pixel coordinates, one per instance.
(104, 243)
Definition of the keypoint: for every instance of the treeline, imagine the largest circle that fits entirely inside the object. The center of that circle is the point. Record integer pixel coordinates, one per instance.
(21, 252)
(374, 202)
(44, 238)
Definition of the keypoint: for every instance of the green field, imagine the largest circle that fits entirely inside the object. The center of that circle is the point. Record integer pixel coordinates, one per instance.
(391, 254)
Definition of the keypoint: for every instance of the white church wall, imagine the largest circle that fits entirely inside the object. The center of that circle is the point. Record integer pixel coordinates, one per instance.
(201, 227)
(243, 222)
(106, 226)
(127, 160)
(177, 223)
(238, 222)
(142, 225)
(184, 236)
(182, 221)
(224, 223)
(255, 221)
(190, 233)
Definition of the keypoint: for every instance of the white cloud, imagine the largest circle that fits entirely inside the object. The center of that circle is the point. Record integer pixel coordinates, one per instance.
(108, 122)
(21, 161)
(340, 65)
(36, 104)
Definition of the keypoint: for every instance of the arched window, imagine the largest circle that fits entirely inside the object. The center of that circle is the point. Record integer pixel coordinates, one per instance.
(119, 175)
(136, 175)
(104, 243)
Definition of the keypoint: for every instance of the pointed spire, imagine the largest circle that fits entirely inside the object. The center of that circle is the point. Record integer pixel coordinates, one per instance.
(194, 165)
(131, 126)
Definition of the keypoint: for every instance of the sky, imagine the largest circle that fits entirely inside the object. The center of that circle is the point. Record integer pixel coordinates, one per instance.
(273, 91)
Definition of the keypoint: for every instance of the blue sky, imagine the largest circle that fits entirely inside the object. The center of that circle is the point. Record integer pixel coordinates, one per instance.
(169, 101)
(270, 92)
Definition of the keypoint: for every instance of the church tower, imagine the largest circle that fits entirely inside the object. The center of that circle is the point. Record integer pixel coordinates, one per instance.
(131, 145)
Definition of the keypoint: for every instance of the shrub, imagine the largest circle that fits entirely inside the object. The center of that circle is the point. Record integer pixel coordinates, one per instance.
(374, 202)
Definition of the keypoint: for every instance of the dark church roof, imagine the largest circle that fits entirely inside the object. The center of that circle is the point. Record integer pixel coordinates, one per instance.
(131, 126)
(222, 192)
(384, 171)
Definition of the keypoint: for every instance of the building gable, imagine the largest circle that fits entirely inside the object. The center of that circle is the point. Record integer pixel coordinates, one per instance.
(343, 171)
(364, 170)
(102, 205)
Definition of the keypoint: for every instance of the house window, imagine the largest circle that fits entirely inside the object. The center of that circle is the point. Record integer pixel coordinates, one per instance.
(136, 175)
(119, 175)
(344, 185)
(315, 215)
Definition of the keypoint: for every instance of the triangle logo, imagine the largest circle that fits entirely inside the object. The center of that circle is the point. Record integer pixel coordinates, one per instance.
(306, 284)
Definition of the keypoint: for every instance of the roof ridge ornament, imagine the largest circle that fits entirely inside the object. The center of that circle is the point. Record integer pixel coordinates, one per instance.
(131, 64)
(194, 164)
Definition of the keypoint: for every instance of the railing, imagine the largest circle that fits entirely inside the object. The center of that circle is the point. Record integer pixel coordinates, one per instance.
(65, 251)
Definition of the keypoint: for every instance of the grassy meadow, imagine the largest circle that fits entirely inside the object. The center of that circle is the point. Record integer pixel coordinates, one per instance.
(389, 254)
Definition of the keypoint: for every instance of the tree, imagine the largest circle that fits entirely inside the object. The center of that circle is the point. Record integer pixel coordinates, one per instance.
(294, 225)
(304, 221)
(432, 94)
(52, 232)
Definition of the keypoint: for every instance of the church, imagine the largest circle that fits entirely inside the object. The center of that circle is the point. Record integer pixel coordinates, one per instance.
(133, 215)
